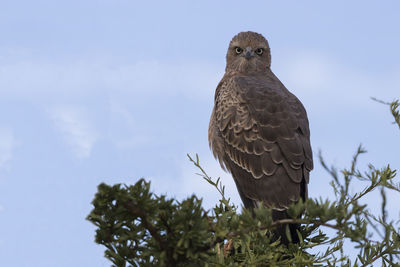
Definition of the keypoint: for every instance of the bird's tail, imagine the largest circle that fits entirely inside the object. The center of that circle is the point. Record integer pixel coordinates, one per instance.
(281, 230)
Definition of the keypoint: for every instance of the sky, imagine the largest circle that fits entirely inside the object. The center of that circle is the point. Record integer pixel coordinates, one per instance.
(113, 91)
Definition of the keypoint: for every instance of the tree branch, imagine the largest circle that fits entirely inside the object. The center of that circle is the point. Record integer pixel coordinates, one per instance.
(137, 211)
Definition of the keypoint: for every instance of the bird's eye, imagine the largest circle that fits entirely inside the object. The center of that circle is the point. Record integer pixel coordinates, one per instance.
(259, 51)
(238, 50)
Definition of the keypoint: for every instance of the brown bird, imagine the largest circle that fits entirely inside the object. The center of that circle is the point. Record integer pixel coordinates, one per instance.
(259, 131)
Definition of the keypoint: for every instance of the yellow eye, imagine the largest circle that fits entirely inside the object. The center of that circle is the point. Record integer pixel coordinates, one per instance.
(259, 51)
(238, 50)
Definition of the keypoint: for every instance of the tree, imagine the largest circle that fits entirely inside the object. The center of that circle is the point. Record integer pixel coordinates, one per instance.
(139, 228)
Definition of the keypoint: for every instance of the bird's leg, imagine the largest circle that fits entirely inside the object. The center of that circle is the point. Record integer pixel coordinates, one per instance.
(228, 247)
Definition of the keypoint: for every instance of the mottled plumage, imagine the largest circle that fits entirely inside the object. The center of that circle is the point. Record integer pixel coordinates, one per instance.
(259, 130)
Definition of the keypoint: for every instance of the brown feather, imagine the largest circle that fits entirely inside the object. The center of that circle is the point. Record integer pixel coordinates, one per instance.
(259, 130)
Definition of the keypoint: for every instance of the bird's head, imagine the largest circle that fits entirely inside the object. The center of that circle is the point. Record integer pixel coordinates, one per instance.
(248, 52)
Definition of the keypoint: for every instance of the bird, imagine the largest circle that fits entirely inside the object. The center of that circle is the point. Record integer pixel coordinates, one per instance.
(259, 132)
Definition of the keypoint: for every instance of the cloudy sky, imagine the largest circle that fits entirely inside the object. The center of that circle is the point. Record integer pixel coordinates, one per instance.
(112, 91)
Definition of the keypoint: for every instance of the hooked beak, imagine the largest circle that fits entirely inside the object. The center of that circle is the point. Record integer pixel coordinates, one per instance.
(248, 53)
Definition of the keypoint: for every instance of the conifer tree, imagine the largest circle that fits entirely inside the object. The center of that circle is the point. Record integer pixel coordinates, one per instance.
(140, 228)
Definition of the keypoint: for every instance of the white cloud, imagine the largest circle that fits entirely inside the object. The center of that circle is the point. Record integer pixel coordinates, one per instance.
(311, 72)
(76, 129)
(192, 79)
(125, 131)
(7, 144)
(187, 183)
(321, 81)
(37, 78)
(193, 183)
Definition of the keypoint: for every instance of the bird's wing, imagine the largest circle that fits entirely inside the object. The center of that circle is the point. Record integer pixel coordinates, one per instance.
(266, 140)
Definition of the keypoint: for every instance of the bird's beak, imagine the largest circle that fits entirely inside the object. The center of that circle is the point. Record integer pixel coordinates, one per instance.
(248, 53)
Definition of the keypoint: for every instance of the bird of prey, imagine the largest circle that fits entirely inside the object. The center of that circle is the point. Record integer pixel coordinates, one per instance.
(259, 131)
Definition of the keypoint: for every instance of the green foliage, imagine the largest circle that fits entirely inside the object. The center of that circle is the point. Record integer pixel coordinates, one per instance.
(139, 228)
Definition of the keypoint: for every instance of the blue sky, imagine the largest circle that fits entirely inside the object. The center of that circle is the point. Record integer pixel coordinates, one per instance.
(112, 91)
